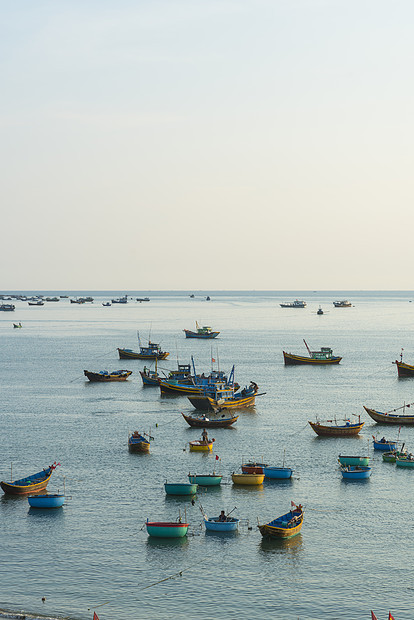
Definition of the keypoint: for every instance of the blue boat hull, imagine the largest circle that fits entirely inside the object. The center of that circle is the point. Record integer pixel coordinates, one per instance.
(213, 525)
(387, 446)
(280, 473)
(46, 501)
(352, 473)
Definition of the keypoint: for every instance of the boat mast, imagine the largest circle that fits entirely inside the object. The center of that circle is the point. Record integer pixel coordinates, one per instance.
(306, 345)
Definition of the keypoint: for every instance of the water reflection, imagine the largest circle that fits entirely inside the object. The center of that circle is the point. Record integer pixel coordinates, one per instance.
(281, 546)
(166, 543)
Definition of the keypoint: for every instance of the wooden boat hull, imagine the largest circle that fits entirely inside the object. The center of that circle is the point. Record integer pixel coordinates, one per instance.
(207, 480)
(389, 418)
(279, 473)
(404, 370)
(295, 360)
(148, 380)
(247, 479)
(253, 468)
(214, 525)
(203, 422)
(205, 403)
(97, 377)
(283, 527)
(190, 334)
(139, 446)
(166, 529)
(127, 354)
(356, 473)
(199, 446)
(13, 488)
(179, 389)
(184, 488)
(337, 431)
(361, 461)
(46, 501)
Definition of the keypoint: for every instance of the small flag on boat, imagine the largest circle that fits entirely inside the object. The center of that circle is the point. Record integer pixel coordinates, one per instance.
(95, 616)
(293, 504)
(373, 616)
(390, 616)
(212, 359)
(217, 457)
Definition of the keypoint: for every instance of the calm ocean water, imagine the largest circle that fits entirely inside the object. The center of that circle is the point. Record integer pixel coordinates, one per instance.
(354, 552)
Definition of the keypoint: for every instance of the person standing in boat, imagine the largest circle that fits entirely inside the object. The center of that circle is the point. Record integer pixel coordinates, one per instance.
(204, 436)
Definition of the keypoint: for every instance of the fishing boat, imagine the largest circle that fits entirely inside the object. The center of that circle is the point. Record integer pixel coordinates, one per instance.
(219, 420)
(405, 460)
(253, 467)
(247, 479)
(180, 488)
(391, 457)
(38, 302)
(286, 526)
(226, 397)
(141, 299)
(30, 484)
(166, 529)
(107, 304)
(7, 307)
(384, 444)
(120, 300)
(17, 325)
(324, 357)
(278, 473)
(202, 332)
(357, 461)
(351, 472)
(343, 303)
(181, 383)
(319, 310)
(294, 304)
(337, 430)
(104, 376)
(138, 442)
(205, 480)
(202, 445)
(151, 352)
(150, 377)
(404, 370)
(77, 301)
(50, 500)
(391, 417)
(214, 524)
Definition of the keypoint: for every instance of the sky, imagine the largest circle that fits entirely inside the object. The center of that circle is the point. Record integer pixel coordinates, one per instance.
(206, 144)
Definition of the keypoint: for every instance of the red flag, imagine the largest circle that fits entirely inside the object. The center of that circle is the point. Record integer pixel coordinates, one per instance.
(373, 616)
(95, 616)
(212, 359)
(293, 504)
(390, 617)
(217, 457)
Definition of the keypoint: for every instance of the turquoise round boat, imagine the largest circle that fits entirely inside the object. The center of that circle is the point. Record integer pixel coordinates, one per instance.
(166, 529)
(205, 480)
(183, 488)
(405, 461)
(359, 461)
(55, 500)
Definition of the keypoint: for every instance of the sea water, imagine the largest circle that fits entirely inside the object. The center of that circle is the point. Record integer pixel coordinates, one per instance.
(355, 549)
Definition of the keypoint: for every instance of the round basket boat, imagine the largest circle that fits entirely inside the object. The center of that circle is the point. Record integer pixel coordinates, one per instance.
(214, 525)
(55, 500)
(181, 488)
(279, 473)
(249, 479)
(356, 473)
(205, 480)
(166, 529)
(201, 446)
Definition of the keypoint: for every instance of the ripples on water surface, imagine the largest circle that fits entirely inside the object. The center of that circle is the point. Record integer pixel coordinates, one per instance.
(354, 552)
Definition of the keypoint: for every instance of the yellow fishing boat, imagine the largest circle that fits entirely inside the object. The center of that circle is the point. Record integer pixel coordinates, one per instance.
(250, 479)
(286, 526)
(202, 445)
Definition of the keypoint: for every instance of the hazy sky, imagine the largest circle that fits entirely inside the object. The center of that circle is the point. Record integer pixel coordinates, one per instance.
(196, 144)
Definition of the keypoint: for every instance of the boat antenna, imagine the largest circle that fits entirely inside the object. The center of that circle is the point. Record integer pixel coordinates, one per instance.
(139, 339)
(401, 354)
(218, 360)
(306, 345)
(149, 333)
(284, 454)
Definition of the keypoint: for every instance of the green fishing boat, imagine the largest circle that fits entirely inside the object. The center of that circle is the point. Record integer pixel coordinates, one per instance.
(391, 457)
(354, 460)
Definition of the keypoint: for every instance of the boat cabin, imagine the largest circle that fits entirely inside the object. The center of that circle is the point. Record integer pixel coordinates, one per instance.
(324, 354)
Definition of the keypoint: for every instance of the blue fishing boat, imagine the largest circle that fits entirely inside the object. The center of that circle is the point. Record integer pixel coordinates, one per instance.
(180, 488)
(214, 524)
(53, 500)
(139, 443)
(205, 480)
(384, 444)
(357, 461)
(281, 473)
(351, 472)
(151, 352)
